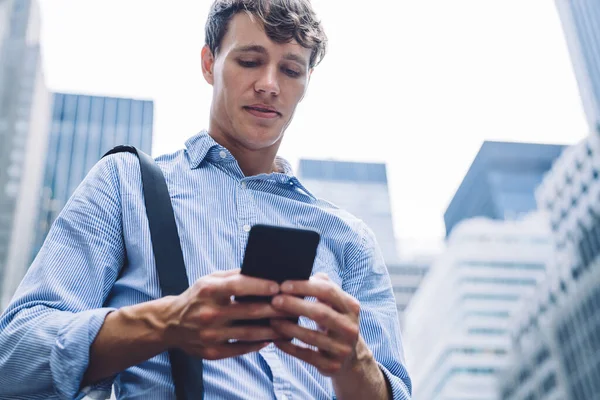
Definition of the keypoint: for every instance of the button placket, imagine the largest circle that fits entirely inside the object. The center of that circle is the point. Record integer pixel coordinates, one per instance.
(246, 215)
(281, 386)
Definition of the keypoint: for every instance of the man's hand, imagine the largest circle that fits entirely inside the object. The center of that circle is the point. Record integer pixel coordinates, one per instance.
(200, 320)
(336, 314)
(340, 353)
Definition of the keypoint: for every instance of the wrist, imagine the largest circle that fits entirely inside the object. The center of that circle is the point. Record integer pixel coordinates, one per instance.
(151, 320)
(361, 377)
(360, 364)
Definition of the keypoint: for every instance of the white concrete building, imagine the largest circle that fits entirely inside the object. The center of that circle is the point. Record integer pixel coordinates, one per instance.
(456, 336)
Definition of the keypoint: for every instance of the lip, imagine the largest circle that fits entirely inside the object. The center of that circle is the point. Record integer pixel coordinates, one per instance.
(262, 111)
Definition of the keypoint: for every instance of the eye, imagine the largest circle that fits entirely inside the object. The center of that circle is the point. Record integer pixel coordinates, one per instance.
(248, 63)
(291, 73)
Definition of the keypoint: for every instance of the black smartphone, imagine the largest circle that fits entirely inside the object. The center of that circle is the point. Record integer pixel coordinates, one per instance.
(279, 254)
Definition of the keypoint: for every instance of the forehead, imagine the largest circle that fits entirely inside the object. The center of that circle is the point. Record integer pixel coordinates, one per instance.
(244, 30)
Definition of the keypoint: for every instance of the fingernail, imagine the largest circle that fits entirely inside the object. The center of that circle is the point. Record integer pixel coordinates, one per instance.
(274, 288)
(287, 287)
(277, 301)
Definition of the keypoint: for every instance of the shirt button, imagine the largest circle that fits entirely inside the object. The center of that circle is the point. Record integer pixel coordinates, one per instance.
(223, 154)
(244, 185)
(246, 228)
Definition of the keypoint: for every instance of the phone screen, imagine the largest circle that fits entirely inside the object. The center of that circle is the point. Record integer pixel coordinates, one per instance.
(278, 254)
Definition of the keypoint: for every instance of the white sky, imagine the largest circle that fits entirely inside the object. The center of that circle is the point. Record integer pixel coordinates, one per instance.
(418, 84)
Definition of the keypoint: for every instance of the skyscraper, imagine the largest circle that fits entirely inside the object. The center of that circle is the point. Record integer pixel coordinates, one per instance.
(359, 188)
(556, 336)
(581, 23)
(456, 335)
(25, 107)
(83, 129)
(501, 182)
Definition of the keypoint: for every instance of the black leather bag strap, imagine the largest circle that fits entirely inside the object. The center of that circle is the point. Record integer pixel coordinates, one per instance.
(186, 370)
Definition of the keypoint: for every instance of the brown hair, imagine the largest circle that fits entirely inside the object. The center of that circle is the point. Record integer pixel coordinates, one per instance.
(283, 21)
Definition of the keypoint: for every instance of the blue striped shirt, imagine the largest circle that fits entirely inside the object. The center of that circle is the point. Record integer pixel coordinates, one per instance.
(78, 277)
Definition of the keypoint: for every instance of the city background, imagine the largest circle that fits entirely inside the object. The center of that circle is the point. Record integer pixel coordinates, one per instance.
(473, 152)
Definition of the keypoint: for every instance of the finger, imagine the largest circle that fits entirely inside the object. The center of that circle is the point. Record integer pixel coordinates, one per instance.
(240, 333)
(314, 338)
(212, 289)
(325, 365)
(224, 274)
(231, 350)
(321, 275)
(242, 285)
(324, 290)
(238, 311)
(322, 314)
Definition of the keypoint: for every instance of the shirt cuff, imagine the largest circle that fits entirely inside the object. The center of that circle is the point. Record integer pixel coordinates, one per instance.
(399, 389)
(70, 354)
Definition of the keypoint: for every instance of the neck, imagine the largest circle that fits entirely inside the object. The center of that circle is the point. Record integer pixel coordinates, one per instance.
(252, 162)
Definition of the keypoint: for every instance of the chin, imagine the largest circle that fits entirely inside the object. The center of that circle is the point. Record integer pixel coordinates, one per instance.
(257, 138)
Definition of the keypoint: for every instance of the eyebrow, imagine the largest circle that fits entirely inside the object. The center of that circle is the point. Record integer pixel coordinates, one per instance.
(255, 48)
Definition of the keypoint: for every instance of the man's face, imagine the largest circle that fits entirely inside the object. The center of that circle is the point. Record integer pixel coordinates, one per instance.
(257, 84)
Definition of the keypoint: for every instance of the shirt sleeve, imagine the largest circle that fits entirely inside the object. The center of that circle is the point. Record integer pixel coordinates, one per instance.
(366, 278)
(48, 328)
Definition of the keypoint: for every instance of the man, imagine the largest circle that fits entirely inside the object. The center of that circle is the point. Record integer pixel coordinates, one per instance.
(89, 313)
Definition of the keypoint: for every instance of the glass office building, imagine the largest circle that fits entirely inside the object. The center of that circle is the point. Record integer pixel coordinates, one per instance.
(83, 129)
(581, 24)
(501, 182)
(556, 337)
(456, 335)
(25, 110)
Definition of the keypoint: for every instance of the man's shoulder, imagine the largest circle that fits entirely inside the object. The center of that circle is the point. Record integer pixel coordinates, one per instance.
(342, 218)
(127, 165)
(127, 160)
(123, 172)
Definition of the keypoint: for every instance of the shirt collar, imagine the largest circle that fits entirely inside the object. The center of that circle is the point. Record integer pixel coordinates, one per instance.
(202, 147)
(198, 147)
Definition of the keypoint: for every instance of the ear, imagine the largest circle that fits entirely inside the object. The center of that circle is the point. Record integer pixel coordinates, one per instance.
(208, 63)
(310, 71)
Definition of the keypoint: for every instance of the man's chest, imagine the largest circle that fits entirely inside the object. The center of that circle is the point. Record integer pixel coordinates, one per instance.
(213, 227)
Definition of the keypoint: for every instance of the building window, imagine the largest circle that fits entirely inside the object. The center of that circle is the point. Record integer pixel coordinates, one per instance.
(487, 331)
(549, 383)
(542, 356)
(502, 281)
(501, 264)
(404, 289)
(14, 171)
(524, 375)
(21, 126)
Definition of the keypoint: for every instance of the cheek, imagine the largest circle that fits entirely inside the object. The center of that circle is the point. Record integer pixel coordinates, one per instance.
(296, 93)
(234, 86)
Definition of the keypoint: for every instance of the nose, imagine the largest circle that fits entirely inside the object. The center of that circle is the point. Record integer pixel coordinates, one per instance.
(267, 82)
